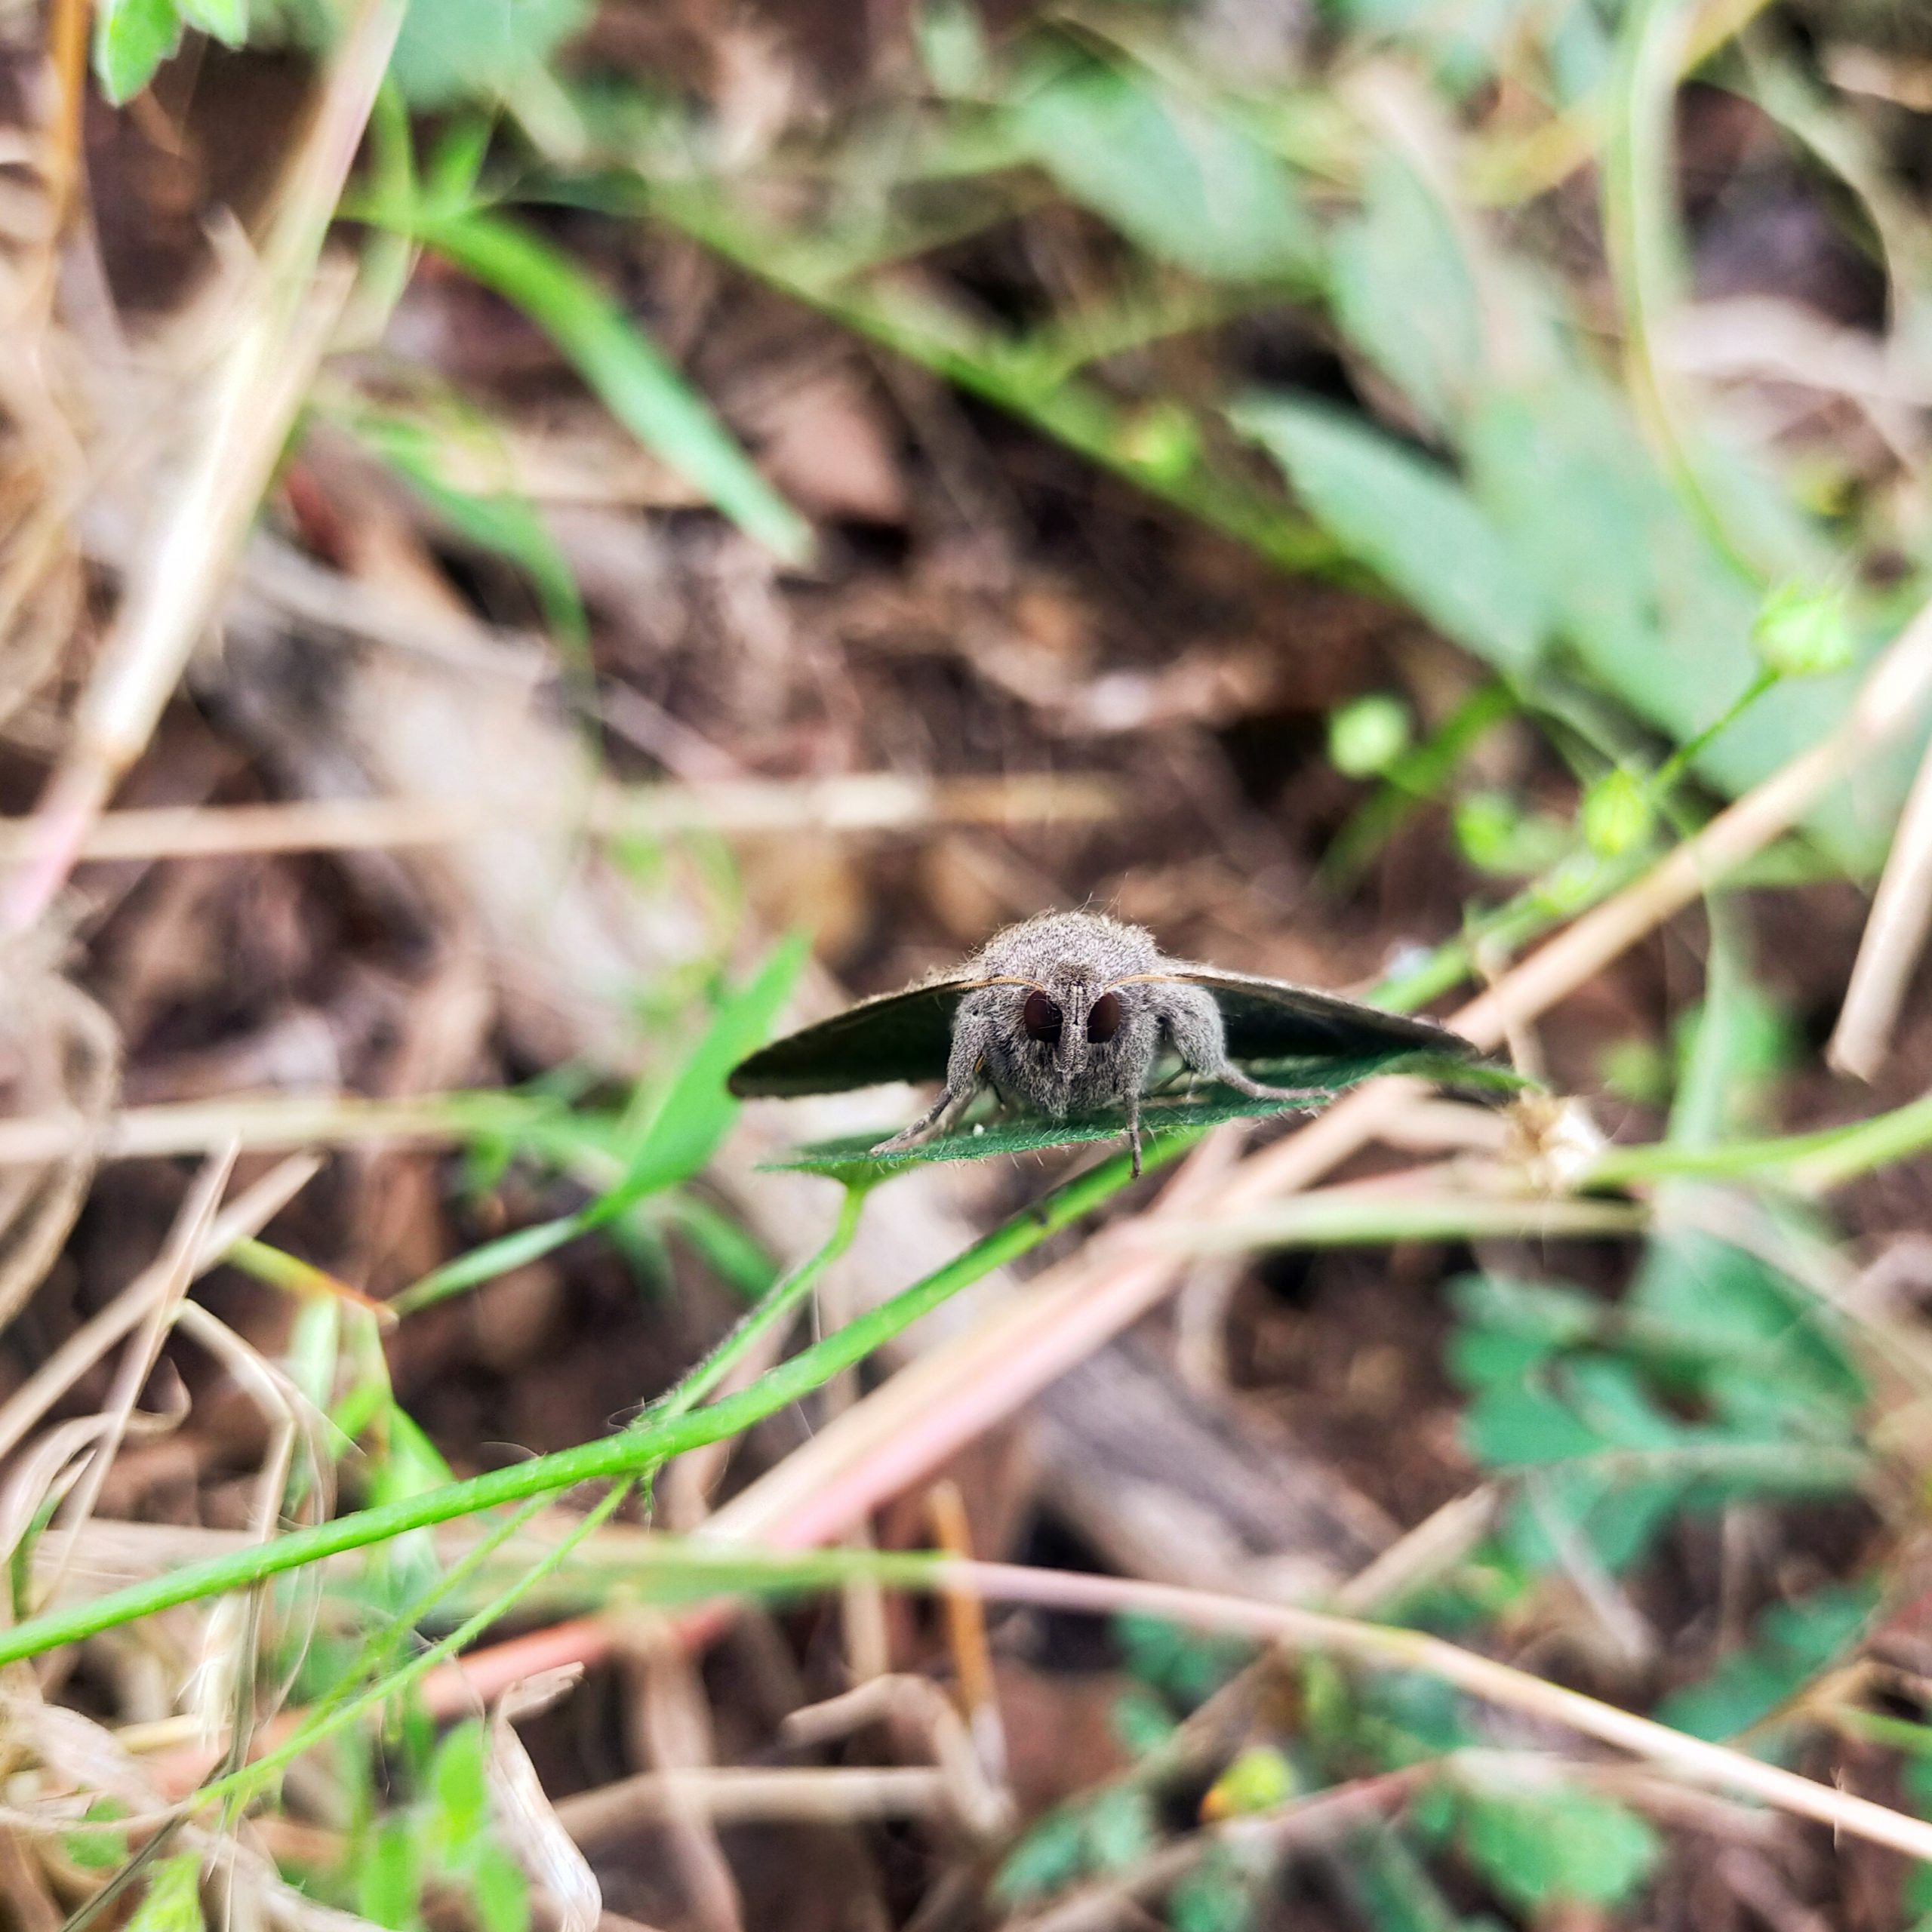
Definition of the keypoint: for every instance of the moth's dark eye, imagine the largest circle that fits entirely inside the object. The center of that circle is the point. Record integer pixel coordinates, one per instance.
(1103, 1018)
(1040, 1018)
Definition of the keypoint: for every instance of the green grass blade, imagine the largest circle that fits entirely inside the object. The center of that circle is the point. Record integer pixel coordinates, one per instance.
(634, 378)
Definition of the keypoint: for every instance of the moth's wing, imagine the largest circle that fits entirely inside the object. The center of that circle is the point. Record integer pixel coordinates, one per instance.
(1268, 1020)
(897, 1036)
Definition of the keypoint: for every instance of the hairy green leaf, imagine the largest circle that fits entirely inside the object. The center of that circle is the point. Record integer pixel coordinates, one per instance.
(855, 1159)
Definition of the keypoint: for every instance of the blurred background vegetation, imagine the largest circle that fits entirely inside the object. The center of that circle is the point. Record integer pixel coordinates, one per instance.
(539, 538)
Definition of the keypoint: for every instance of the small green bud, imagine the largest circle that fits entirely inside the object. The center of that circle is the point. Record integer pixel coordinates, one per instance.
(1163, 440)
(1616, 814)
(1803, 631)
(1368, 734)
(1258, 1780)
(1497, 835)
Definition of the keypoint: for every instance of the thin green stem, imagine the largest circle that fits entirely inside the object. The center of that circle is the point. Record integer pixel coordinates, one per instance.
(242, 1785)
(1814, 1162)
(636, 1451)
(778, 1304)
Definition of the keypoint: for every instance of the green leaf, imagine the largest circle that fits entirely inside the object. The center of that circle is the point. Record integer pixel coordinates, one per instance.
(1407, 520)
(1772, 1362)
(1120, 1827)
(685, 1124)
(1659, 617)
(173, 1900)
(1189, 1665)
(99, 1850)
(636, 380)
(453, 50)
(1403, 293)
(224, 20)
(1184, 185)
(1394, 1889)
(1506, 1327)
(1539, 1844)
(389, 1880)
(458, 1793)
(500, 1891)
(1792, 1643)
(855, 1158)
(131, 38)
(1140, 1720)
(1051, 1855)
(497, 521)
(1216, 1896)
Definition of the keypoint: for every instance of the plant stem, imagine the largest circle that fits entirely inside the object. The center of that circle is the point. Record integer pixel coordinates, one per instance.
(653, 1440)
(1813, 1163)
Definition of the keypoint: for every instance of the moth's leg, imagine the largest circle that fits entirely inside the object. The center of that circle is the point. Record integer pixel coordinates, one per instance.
(1133, 1128)
(964, 1077)
(1193, 1021)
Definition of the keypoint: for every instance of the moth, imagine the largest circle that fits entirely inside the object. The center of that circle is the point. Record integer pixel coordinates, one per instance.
(1070, 1013)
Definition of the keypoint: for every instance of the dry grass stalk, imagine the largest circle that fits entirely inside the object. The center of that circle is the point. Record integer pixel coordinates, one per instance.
(175, 1270)
(246, 1215)
(181, 572)
(878, 801)
(543, 1843)
(68, 1054)
(1693, 1760)
(1894, 936)
(733, 1795)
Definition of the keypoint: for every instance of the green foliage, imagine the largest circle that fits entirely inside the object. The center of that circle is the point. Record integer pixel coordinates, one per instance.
(1802, 632)
(1616, 816)
(952, 47)
(1409, 521)
(676, 1129)
(632, 376)
(1188, 1666)
(1368, 734)
(1403, 294)
(1217, 1895)
(1186, 184)
(1141, 1720)
(131, 38)
(1101, 1834)
(389, 1887)
(1792, 1643)
(1395, 1889)
(173, 1900)
(1542, 1844)
(423, 453)
(99, 1850)
(1497, 835)
(1592, 1399)
(226, 20)
(442, 1835)
(450, 51)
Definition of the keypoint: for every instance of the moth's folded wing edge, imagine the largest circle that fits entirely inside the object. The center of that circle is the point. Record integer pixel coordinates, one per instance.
(1315, 1005)
(896, 1037)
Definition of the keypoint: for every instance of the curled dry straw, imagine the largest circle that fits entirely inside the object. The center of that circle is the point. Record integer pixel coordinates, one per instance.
(58, 1050)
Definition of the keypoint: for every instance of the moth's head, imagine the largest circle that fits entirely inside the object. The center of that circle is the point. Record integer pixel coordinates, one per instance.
(1069, 1013)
